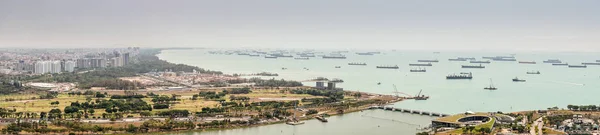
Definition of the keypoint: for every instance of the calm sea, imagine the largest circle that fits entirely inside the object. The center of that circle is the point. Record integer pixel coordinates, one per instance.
(555, 86)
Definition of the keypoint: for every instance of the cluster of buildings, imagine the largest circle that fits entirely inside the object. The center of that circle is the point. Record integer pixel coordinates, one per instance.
(32, 61)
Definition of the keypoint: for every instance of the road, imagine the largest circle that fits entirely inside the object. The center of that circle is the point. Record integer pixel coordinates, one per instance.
(539, 124)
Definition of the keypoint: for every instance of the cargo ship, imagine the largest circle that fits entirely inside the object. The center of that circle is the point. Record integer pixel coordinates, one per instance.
(485, 62)
(577, 66)
(358, 64)
(461, 76)
(418, 70)
(560, 64)
(388, 67)
(527, 62)
(302, 58)
(334, 57)
(534, 72)
(421, 64)
(517, 80)
(590, 64)
(471, 66)
(428, 61)
(553, 61)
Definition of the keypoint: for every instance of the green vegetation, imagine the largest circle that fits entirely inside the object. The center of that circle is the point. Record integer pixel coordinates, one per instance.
(583, 107)
(274, 83)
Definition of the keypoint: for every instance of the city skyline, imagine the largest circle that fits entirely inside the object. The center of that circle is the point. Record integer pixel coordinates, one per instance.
(537, 25)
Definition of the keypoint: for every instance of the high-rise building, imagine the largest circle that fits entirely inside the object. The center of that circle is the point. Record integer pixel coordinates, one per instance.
(42, 67)
(55, 67)
(125, 58)
(70, 66)
(84, 63)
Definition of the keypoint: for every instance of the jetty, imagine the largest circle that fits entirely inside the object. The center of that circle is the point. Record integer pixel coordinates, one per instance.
(412, 111)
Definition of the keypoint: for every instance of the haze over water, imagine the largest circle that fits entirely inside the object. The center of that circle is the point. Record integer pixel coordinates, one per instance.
(555, 86)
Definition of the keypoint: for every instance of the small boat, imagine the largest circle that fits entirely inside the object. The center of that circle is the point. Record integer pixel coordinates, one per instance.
(283, 68)
(293, 123)
(320, 118)
(491, 87)
(517, 80)
(379, 83)
(421, 97)
(338, 67)
(534, 72)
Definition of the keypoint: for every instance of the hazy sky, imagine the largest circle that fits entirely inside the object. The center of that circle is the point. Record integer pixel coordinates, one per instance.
(563, 25)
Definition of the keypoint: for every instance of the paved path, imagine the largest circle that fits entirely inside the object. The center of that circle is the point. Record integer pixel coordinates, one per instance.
(539, 124)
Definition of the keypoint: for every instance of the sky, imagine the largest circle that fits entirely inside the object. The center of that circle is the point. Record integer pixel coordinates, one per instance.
(515, 25)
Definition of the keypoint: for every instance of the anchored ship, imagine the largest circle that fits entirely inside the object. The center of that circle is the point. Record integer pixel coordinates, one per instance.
(577, 66)
(302, 58)
(560, 64)
(334, 57)
(504, 59)
(418, 70)
(471, 66)
(533, 72)
(428, 61)
(461, 76)
(527, 62)
(388, 67)
(271, 57)
(485, 62)
(553, 61)
(457, 59)
(360, 64)
(367, 53)
(421, 64)
(590, 64)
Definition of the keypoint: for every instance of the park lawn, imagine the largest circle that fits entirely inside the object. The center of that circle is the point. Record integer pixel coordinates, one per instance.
(43, 105)
(191, 105)
(489, 124)
(18, 96)
(553, 132)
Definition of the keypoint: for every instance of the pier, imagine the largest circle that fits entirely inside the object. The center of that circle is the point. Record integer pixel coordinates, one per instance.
(412, 111)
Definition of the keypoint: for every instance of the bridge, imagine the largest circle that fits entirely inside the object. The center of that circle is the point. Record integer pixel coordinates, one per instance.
(410, 111)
